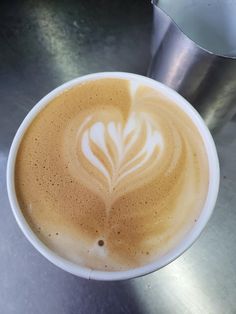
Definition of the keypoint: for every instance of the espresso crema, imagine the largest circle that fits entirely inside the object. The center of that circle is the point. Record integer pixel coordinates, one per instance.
(111, 174)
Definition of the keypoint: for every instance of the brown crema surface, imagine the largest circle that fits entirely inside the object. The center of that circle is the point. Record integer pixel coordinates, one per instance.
(111, 174)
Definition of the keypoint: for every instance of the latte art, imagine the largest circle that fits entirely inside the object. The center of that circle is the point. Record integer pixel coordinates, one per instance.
(110, 176)
(104, 153)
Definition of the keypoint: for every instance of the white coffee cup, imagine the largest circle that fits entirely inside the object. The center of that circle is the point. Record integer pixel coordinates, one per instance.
(191, 236)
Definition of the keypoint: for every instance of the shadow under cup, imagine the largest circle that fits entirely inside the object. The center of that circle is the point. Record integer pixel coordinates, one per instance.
(191, 236)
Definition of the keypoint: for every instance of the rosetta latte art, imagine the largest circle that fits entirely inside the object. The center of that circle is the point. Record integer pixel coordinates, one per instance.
(111, 154)
(112, 174)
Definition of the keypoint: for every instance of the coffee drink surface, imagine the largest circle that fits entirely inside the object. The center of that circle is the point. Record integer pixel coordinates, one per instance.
(111, 174)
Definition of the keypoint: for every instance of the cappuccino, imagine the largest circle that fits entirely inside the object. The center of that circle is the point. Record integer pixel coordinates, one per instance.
(111, 174)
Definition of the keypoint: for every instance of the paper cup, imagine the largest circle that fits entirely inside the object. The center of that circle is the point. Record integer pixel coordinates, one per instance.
(182, 246)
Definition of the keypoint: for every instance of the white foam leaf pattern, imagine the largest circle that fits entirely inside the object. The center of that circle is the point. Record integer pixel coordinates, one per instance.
(119, 152)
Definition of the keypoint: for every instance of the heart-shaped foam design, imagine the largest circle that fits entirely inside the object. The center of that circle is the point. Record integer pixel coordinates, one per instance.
(112, 156)
(119, 171)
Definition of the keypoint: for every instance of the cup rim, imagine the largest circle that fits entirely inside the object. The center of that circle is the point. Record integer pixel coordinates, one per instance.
(189, 238)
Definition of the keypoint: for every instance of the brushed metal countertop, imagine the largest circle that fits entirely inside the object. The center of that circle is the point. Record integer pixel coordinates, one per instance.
(42, 45)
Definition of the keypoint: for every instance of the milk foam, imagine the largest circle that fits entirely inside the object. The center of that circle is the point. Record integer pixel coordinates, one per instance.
(111, 174)
(125, 138)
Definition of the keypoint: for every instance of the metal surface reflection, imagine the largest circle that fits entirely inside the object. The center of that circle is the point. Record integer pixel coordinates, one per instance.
(176, 289)
(57, 41)
(111, 35)
(207, 80)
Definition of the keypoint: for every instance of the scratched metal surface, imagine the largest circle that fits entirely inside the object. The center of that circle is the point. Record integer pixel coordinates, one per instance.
(42, 45)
